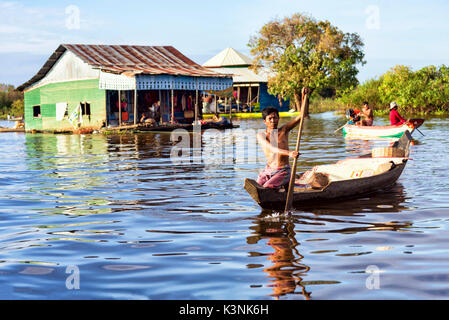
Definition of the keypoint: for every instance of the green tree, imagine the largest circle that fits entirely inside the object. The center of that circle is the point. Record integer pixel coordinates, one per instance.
(301, 52)
(368, 92)
(422, 91)
(397, 85)
(17, 108)
(8, 96)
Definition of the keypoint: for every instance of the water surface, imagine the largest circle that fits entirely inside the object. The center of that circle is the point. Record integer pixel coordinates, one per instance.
(138, 226)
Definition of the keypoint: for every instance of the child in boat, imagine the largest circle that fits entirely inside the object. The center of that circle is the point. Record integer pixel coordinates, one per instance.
(274, 143)
(395, 117)
(353, 116)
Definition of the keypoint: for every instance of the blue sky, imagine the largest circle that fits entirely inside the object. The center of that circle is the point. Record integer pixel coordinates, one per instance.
(413, 33)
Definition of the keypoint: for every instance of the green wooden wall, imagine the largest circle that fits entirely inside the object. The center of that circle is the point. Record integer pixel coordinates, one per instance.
(32, 98)
(71, 92)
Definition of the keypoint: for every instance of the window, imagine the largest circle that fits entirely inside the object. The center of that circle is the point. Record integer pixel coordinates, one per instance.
(37, 111)
(85, 108)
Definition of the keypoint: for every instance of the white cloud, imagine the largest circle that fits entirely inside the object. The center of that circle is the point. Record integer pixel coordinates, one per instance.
(25, 29)
(37, 29)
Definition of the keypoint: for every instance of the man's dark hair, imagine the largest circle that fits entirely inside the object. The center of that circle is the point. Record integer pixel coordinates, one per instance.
(365, 103)
(269, 110)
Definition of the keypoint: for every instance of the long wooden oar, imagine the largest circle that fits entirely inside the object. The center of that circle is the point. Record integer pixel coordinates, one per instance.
(340, 127)
(291, 184)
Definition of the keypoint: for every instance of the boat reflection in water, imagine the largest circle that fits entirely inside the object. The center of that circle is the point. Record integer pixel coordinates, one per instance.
(281, 232)
(390, 199)
(286, 270)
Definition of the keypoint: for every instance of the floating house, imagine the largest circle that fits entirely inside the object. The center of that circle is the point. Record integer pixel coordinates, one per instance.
(93, 86)
(250, 88)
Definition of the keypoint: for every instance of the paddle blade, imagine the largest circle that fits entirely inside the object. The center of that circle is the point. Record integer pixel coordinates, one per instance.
(416, 122)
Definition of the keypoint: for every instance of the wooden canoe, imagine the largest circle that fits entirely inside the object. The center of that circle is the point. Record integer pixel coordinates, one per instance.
(168, 127)
(188, 127)
(2, 129)
(248, 115)
(351, 131)
(337, 190)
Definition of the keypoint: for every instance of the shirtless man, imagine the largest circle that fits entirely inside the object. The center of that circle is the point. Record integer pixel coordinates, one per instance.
(366, 113)
(274, 143)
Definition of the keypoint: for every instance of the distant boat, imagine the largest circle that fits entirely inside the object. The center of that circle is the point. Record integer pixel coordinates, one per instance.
(348, 178)
(3, 129)
(381, 131)
(247, 115)
(169, 127)
(14, 118)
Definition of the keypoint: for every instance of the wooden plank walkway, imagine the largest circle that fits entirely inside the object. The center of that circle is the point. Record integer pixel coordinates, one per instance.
(2, 129)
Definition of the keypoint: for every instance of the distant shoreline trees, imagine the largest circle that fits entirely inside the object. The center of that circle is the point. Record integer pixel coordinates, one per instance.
(11, 101)
(425, 91)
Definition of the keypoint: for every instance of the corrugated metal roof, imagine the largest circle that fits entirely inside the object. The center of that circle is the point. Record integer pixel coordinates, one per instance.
(130, 59)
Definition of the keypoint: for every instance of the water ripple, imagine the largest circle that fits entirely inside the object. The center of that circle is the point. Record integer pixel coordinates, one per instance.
(138, 226)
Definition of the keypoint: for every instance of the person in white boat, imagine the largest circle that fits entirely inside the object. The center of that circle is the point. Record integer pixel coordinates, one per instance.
(395, 117)
(367, 114)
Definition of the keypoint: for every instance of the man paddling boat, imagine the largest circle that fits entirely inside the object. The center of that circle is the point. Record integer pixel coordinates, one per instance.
(274, 143)
(395, 117)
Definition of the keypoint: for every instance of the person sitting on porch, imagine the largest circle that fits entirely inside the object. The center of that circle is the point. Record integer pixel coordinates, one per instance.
(147, 117)
(156, 111)
(206, 103)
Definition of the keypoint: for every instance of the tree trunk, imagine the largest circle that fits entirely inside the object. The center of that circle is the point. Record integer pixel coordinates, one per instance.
(297, 101)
